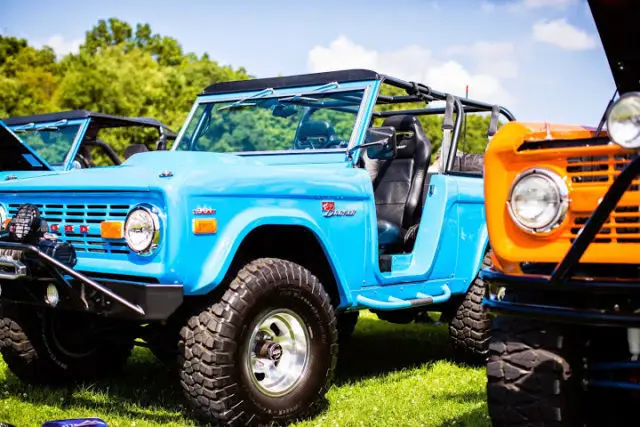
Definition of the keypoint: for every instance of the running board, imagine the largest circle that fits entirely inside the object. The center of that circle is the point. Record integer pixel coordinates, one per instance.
(393, 303)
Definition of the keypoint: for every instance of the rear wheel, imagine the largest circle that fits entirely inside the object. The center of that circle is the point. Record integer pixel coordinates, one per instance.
(266, 352)
(531, 375)
(470, 328)
(50, 347)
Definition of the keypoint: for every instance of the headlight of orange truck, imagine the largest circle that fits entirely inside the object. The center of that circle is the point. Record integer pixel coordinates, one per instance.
(542, 182)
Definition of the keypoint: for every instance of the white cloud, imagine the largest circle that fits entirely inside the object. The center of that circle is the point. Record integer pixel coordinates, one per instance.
(558, 4)
(61, 46)
(524, 6)
(414, 63)
(562, 34)
(493, 58)
(487, 6)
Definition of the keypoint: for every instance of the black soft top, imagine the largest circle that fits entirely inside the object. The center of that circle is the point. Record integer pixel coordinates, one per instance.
(103, 120)
(292, 81)
(617, 22)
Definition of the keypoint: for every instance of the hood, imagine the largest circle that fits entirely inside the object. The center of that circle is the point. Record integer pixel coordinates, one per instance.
(15, 175)
(155, 170)
(617, 23)
(17, 156)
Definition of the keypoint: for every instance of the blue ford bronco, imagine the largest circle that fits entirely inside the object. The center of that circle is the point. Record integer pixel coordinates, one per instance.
(245, 252)
(76, 140)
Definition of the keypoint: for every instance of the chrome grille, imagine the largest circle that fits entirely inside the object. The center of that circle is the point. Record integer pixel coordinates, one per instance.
(85, 215)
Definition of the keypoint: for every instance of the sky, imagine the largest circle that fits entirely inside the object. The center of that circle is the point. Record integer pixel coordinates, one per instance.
(542, 59)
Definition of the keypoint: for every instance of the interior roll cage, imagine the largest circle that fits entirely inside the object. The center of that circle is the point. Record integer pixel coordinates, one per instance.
(418, 92)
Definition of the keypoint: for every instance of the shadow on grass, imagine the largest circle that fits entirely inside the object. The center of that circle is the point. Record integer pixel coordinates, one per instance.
(378, 348)
(146, 390)
(475, 418)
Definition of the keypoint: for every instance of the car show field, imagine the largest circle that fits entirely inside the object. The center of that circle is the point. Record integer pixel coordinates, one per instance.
(342, 247)
(391, 375)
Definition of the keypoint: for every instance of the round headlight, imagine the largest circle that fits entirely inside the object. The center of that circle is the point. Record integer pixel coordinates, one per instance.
(538, 201)
(142, 230)
(4, 215)
(623, 121)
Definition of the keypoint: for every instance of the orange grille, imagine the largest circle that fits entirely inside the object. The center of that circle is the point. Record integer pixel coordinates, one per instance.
(623, 225)
(589, 170)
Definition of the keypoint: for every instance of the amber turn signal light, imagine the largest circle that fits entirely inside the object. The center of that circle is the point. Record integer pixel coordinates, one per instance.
(205, 226)
(112, 229)
(5, 224)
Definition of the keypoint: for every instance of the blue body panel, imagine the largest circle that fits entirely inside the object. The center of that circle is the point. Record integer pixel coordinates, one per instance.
(283, 188)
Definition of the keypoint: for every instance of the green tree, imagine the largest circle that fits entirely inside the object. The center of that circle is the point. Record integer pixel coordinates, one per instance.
(27, 77)
(131, 71)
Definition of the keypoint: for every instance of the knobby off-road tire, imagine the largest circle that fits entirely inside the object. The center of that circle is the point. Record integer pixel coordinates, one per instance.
(530, 377)
(347, 325)
(40, 347)
(470, 328)
(216, 360)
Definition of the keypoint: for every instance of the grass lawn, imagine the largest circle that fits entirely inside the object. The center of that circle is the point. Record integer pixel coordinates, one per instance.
(389, 375)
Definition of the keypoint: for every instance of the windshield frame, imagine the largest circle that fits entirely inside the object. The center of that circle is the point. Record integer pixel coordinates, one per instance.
(365, 109)
(75, 144)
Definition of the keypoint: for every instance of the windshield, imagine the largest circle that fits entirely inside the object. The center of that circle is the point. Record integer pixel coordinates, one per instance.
(51, 142)
(262, 122)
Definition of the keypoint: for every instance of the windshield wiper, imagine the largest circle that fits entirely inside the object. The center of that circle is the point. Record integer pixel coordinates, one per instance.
(38, 128)
(300, 97)
(242, 102)
(295, 98)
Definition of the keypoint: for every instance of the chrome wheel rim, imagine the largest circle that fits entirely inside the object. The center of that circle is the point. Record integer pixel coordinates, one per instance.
(277, 352)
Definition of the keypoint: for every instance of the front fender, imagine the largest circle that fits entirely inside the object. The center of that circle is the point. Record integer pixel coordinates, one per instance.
(218, 261)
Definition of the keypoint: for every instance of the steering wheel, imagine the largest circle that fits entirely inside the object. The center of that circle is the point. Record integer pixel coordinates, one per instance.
(336, 143)
(84, 163)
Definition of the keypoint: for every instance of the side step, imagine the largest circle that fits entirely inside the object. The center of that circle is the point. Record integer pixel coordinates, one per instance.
(393, 303)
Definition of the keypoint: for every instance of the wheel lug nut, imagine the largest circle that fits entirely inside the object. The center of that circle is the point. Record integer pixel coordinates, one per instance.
(270, 350)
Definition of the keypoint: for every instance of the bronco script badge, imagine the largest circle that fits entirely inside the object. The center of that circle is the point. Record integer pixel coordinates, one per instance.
(329, 209)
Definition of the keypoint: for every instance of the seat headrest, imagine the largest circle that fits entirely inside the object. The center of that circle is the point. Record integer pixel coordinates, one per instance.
(316, 129)
(409, 132)
(134, 149)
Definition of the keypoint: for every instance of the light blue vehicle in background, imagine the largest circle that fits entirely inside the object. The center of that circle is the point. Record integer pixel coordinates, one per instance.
(42, 144)
(285, 206)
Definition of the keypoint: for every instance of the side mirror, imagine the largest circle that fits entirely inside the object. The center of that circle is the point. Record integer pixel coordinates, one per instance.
(381, 143)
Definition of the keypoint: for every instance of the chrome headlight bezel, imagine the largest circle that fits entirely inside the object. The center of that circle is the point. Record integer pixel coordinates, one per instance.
(629, 101)
(154, 222)
(562, 191)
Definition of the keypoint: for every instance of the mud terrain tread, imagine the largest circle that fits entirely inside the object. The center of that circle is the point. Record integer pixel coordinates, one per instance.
(16, 348)
(25, 350)
(470, 329)
(530, 382)
(208, 347)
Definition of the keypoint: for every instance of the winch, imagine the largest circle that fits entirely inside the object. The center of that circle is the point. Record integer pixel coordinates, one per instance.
(28, 227)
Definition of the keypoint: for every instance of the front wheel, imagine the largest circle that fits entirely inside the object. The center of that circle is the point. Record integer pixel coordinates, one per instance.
(53, 347)
(266, 352)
